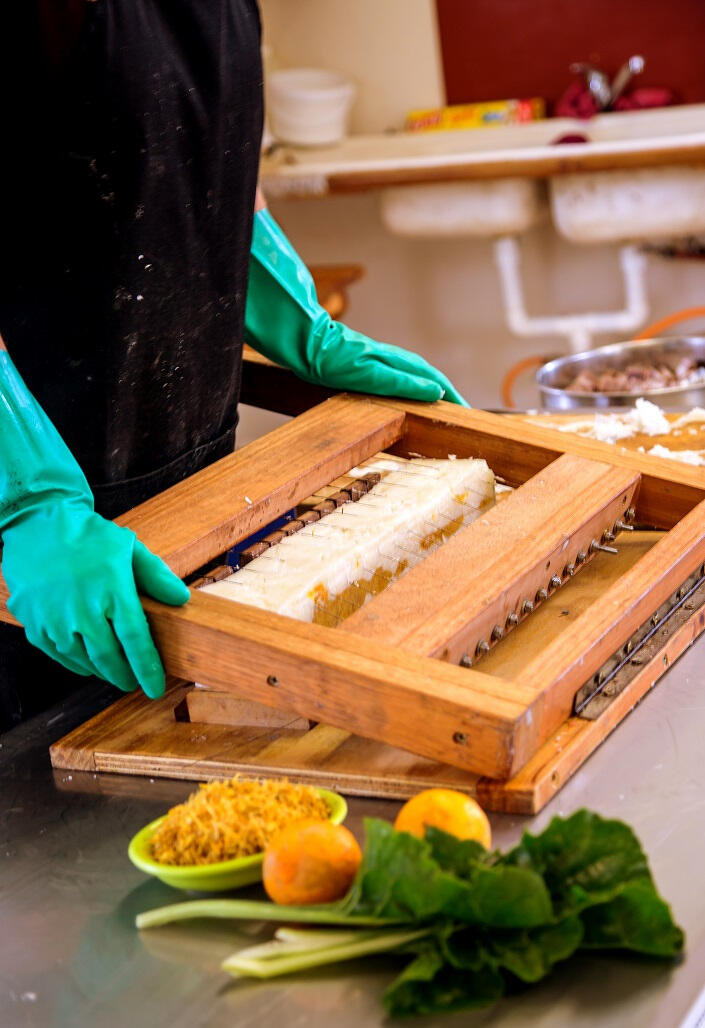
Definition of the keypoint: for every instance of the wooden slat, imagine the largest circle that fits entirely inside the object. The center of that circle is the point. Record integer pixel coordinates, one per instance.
(470, 720)
(208, 706)
(77, 749)
(568, 661)
(450, 601)
(515, 450)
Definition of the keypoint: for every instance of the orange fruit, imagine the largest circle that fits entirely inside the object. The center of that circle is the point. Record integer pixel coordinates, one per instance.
(451, 811)
(310, 862)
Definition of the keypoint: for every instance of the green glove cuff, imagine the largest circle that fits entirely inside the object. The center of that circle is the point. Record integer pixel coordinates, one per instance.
(35, 463)
(285, 322)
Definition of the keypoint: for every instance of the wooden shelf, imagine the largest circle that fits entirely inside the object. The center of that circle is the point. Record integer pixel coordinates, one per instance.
(641, 139)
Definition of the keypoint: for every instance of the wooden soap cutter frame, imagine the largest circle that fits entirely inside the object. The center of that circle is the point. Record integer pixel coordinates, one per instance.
(378, 675)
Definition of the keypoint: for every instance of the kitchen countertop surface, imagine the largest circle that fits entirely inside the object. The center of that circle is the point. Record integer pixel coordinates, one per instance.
(70, 955)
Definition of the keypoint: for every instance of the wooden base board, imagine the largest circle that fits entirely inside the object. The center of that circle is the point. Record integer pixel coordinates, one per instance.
(138, 736)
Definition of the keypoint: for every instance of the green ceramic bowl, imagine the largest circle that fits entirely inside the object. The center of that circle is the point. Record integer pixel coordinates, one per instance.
(226, 874)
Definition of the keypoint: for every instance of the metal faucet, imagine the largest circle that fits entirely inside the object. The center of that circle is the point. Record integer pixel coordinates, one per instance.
(599, 85)
(634, 66)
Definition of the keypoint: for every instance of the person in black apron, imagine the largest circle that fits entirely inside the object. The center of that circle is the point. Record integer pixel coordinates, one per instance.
(133, 131)
(133, 138)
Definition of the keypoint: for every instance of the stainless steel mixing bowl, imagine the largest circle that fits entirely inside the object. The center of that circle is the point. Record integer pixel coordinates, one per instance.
(553, 377)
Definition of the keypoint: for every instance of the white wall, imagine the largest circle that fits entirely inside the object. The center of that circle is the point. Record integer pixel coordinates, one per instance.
(388, 48)
(439, 298)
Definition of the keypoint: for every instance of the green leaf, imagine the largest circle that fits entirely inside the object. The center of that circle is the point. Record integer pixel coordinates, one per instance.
(531, 955)
(527, 954)
(638, 919)
(429, 985)
(398, 878)
(459, 856)
(584, 860)
(507, 897)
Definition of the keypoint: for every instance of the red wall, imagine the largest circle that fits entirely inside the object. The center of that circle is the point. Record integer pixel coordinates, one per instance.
(498, 49)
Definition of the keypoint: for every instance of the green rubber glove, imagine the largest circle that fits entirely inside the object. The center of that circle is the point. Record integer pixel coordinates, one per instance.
(285, 322)
(73, 576)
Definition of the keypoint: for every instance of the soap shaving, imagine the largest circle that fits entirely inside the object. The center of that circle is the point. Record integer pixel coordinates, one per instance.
(645, 418)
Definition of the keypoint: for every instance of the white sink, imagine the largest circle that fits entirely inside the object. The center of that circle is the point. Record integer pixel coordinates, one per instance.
(491, 207)
(634, 204)
(638, 205)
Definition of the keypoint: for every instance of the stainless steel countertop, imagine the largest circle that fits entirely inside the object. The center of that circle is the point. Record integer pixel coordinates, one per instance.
(70, 955)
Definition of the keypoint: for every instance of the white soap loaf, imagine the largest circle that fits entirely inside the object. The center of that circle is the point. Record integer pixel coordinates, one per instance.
(332, 567)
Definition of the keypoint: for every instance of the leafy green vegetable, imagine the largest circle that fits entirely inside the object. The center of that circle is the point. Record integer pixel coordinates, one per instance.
(475, 923)
(636, 919)
(584, 859)
(429, 985)
(398, 878)
(405, 878)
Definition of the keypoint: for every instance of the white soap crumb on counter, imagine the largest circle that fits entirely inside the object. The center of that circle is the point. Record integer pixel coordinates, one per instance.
(645, 417)
(697, 414)
(684, 456)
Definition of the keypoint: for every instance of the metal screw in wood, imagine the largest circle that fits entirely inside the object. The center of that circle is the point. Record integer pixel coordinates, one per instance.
(595, 546)
(622, 526)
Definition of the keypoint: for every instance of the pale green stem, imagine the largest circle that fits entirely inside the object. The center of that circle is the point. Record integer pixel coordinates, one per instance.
(252, 910)
(261, 962)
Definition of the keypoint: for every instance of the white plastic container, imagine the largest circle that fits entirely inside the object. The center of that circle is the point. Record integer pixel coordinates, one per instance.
(308, 106)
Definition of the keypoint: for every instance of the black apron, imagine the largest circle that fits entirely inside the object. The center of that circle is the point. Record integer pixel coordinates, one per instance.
(131, 150)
